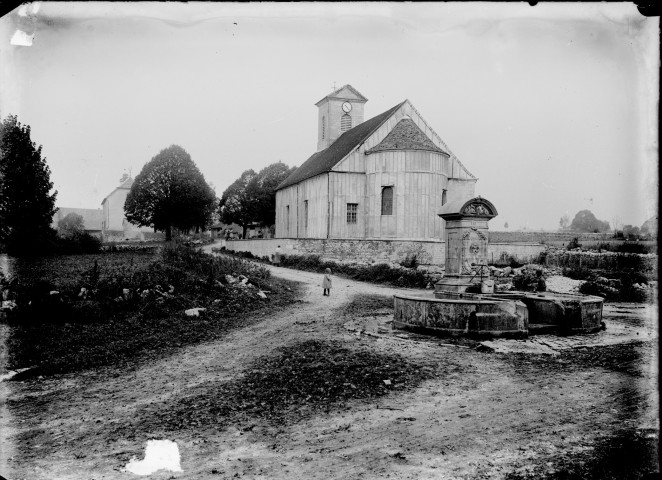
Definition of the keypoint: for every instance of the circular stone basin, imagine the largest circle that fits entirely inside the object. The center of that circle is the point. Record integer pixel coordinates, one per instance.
(461, 314)
(511, 314)
(570, 313)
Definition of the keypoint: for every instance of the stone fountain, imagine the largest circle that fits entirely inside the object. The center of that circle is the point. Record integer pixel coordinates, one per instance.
(451, 310)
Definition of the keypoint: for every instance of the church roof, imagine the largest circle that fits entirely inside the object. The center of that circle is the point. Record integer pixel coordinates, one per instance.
(405, 136)
(324, 160)
(335, 93)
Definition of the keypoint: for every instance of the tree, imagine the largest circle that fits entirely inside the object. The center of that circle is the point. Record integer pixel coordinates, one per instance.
(26, 204)
(239, 203)
(71, 225)
(170, 192)
(649, 227)
(586, 222)
(267, 181)
(252, 197)
(630, 232)
(564, 222)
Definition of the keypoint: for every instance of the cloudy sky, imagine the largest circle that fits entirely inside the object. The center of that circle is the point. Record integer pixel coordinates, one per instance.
(552, 107)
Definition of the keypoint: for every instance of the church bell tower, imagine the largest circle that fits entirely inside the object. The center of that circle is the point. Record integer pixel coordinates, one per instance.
(338, 112)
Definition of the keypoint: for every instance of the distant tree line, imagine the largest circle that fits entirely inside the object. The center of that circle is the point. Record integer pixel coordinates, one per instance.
(586, 222)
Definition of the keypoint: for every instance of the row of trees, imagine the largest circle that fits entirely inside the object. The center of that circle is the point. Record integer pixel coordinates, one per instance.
(586, 222)
(170, 192)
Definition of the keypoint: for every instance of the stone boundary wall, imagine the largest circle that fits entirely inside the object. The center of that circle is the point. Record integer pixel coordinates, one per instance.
(114, 236)
(547, 237)
(522, 252)
(374, 251)
(609, 261)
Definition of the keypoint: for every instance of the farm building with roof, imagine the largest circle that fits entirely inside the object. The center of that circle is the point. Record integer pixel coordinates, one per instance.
(385, 178)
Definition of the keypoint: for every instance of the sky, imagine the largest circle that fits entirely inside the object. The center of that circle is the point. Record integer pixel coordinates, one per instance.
(553, 108)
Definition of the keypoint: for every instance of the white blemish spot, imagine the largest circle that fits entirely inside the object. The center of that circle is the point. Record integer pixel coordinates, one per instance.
(21, 38)
(28, 9)
(159, 455)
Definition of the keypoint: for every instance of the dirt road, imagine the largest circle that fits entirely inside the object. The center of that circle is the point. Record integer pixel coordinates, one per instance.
(490, 415)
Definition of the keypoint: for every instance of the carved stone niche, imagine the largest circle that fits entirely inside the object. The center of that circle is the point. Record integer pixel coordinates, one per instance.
(467, 239)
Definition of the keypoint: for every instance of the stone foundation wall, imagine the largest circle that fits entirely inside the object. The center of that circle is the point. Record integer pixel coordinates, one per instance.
(360, 251)
(374, 251)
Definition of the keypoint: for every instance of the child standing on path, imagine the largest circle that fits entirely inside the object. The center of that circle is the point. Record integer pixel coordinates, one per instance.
(326, 283)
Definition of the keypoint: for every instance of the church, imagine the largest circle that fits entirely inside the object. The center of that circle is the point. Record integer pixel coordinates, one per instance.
(385, 178)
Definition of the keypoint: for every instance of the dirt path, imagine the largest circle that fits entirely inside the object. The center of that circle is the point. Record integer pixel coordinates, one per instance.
(487, 416)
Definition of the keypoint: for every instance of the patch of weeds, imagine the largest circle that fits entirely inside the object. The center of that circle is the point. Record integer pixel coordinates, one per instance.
(378, 273)
(293, 383)
(130, 308)
(366, 305)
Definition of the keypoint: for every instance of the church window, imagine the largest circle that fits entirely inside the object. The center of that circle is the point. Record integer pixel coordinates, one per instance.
(287, 220)
(345, 123)
(323, 127)
(352, 210)
(305, 213)
(443, 197)
(387, 201)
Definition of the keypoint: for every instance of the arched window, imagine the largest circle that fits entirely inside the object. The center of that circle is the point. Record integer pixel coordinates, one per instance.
(443, 197)
(387, 200)
(323, 128)
(345, 123)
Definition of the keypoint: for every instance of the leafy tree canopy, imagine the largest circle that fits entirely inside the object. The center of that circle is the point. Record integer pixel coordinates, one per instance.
(170, 192)
(26, 204)
(252, 197)
(71, 225)
(239, 202)
(586, 222)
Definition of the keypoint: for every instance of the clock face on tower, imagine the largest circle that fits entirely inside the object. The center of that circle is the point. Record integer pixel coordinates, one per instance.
(347, 107)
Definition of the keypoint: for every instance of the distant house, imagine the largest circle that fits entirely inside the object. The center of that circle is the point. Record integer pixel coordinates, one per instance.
(92, 218)
(114, 225)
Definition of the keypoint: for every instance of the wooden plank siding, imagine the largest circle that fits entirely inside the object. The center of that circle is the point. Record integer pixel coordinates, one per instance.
(347, 187)
(315, 191)
(418, 179)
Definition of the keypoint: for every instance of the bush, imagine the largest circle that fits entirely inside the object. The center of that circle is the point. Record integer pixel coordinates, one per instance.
(574, 243)
(579, 273)
(379, 273)
(410, 261)
(632, 247)
(506, 260)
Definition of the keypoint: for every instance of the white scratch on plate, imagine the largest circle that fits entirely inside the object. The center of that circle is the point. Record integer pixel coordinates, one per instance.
(159, 455)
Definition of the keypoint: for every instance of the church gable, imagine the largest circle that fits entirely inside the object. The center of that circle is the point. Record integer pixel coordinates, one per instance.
(346, 92)
(405, 136)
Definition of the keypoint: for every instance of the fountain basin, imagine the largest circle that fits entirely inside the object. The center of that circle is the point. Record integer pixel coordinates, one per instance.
(511, 315)
(570, 314)
(461, 314)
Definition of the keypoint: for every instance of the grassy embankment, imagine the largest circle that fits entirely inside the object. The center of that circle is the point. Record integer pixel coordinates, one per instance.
(85, 311)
